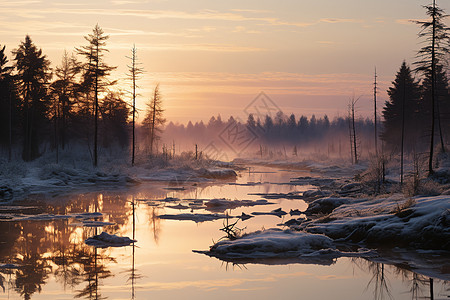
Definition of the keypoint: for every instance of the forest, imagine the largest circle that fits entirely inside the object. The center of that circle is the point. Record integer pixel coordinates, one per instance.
(45, 108)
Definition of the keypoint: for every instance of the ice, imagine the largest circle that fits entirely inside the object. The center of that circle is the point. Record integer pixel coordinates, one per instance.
(49, 217)
(290, 195)
(280, 244)
(420, 222)
(327, 205)
(220, 205)
(105, 240)
(197, 218)
(89, 223)
(276, 212)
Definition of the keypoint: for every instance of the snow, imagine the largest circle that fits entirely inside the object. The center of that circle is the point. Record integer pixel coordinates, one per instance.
(220, 205)
(197, 218)
(74, 172)
(89, 223)
(48, 217)
(276, 212)
(421, 222)
(290, 195)
(105, 240)
(280, 244)
(327, 205)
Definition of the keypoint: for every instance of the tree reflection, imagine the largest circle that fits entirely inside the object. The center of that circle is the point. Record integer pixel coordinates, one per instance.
(54, 247)
(35, 267)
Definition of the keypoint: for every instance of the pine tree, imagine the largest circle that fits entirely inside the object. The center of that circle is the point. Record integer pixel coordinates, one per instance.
(154, 119)
(436, 39)
(66, 93)
(442, 104)
(7, 102)
(33, 75)
(96, 72)
(402, 108)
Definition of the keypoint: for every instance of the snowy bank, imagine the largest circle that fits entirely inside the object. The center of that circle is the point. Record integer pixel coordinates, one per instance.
(420, 222)
(278, 246)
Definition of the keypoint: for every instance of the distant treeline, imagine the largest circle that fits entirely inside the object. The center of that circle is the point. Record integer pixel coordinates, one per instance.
(281, 134)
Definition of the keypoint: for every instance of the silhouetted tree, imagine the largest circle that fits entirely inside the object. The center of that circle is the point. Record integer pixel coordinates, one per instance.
(154, 119)
(114, 119)
(66, 92)
(96, 73)
(405, 89)
(33, 75)
(7, 102)
(134, 72)
(436, 39)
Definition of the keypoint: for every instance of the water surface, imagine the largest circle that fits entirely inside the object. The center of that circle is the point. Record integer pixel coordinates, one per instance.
(56, 264)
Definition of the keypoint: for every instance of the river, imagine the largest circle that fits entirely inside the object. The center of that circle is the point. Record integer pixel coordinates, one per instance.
(48, 259)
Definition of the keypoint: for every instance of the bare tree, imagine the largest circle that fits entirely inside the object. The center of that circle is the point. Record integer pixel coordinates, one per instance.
(375, 111)
(352, 129)
(134, 72)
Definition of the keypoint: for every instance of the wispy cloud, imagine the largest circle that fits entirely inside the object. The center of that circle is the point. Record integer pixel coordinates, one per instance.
(191, 47)
(410, 21)
(337, 20)
(16, 3)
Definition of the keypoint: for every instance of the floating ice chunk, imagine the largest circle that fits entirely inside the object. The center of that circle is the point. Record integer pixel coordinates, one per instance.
(89, 223)
(276, 243)
(105, 240)
(197, 218)
(276, 212)
(220, 205)
(178, 206)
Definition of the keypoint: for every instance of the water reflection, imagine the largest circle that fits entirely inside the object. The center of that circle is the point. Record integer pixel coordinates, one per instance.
(49, 252)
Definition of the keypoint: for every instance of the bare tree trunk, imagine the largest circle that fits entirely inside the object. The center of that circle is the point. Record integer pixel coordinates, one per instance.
(152, 137)
(350, 133)
(96, 111)
(403, 131)
(375, 112)
(56, 131)
(440, 127)
(134, 103)
(433, 57)
(10, 128)
(354, 133)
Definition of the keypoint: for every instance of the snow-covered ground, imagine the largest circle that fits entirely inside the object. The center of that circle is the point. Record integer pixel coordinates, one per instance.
(343, 213)
(74, 172)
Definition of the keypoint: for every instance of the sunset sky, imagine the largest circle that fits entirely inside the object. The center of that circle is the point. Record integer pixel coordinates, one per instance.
(214, 57)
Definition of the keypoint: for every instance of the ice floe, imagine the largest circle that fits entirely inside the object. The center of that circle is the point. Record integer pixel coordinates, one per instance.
(197, 218)
(105, 240)
(282, 245)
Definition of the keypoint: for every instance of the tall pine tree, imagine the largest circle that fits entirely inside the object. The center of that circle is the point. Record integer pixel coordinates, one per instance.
(436, 39)
(401, 111)
(33, 75)
(96, 72)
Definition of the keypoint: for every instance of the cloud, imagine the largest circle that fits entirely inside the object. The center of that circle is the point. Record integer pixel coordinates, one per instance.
(337, 20)
(190, 47)
(410, 21)
(18, 2)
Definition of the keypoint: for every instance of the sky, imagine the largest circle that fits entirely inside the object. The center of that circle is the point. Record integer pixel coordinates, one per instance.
(215, 57)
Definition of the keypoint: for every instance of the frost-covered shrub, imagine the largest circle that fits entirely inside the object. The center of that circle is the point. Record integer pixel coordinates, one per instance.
(12, 170)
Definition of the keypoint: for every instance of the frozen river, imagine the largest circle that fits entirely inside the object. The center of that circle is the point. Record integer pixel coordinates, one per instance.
(48, 259)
